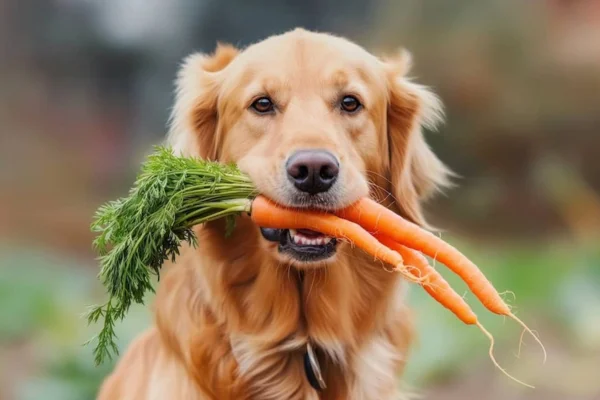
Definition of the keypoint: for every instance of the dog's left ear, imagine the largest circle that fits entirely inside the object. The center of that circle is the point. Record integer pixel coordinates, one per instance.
(194, 119)
(415, 171)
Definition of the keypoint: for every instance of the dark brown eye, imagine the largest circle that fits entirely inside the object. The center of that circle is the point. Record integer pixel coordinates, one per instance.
(350, 104)
(263, 105)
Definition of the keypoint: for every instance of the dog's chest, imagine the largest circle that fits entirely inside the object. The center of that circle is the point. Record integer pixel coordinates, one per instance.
(280, 371)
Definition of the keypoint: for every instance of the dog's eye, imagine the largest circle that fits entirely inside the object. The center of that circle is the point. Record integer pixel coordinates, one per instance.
(263, 105)
(350, 104)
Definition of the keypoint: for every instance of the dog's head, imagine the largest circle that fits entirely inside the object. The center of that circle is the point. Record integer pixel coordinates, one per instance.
(316, 121)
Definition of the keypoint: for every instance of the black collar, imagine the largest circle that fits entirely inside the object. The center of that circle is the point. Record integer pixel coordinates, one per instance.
(312, 369)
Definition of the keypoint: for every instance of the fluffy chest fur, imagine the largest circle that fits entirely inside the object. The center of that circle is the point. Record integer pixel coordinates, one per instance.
(239, 322)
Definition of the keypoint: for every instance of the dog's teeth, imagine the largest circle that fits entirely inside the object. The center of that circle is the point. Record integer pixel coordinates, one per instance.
(300, 239)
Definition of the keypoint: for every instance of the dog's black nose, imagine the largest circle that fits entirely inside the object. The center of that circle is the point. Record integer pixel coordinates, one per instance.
(312, 171)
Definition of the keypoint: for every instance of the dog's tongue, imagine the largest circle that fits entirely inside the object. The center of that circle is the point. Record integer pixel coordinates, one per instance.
(309, 233)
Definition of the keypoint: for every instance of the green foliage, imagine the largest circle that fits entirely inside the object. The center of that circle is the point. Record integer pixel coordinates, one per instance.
(138, 233)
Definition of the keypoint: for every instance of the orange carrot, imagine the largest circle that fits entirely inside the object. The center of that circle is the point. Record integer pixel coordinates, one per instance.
(434, 284)
(438, 288)
(268, 214)
(377, 219)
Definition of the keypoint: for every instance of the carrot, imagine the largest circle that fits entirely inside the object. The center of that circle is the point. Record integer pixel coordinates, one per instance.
(438, 288)
(380, 220)
(434, 284)
(377, 219)
(268, 214)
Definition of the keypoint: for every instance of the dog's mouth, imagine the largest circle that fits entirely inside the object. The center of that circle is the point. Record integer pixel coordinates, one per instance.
(302, 244)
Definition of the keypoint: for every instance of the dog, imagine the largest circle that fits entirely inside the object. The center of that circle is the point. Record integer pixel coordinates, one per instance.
(317, 122)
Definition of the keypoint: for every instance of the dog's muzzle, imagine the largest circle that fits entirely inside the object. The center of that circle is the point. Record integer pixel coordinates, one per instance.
(302, 244)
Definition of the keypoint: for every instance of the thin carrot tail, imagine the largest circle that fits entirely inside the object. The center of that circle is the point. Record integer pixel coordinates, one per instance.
(405, 271)
(493, 358)
(528, 330)
(514, 297)
(523, 332)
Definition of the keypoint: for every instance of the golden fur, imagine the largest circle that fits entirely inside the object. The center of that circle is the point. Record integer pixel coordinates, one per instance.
(233, 317)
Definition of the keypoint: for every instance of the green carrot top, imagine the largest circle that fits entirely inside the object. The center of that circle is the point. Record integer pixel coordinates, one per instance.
(137, 233)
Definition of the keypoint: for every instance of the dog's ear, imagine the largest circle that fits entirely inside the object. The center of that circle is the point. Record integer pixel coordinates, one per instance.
(415, 171)
(193, 121)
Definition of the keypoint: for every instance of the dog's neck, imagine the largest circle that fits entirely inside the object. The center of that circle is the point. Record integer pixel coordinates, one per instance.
(267, 311)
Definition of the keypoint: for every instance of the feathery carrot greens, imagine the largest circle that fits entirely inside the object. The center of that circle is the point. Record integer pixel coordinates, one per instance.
(136, 234)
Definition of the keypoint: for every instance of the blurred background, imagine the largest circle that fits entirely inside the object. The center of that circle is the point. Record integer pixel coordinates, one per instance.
(86, 89)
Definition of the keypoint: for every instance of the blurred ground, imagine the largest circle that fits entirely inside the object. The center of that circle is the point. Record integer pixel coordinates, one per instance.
(85, 90)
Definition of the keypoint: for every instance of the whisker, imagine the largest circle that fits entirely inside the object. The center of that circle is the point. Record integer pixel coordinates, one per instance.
(378, 189)
(380, 176)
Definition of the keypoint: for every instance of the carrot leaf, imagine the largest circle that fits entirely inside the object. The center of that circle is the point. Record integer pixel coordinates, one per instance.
(138, 233)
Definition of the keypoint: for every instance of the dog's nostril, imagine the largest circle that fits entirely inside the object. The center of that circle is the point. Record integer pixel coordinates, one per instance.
(329, 172)
(302, 172)
(298, 171)
(312, 171)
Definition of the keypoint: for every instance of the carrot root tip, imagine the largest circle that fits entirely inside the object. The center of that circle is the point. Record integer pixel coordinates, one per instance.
(493, 358)
(535, 337)
(521, 343)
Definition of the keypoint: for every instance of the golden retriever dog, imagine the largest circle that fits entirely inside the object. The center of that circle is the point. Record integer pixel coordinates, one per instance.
(316, 121)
